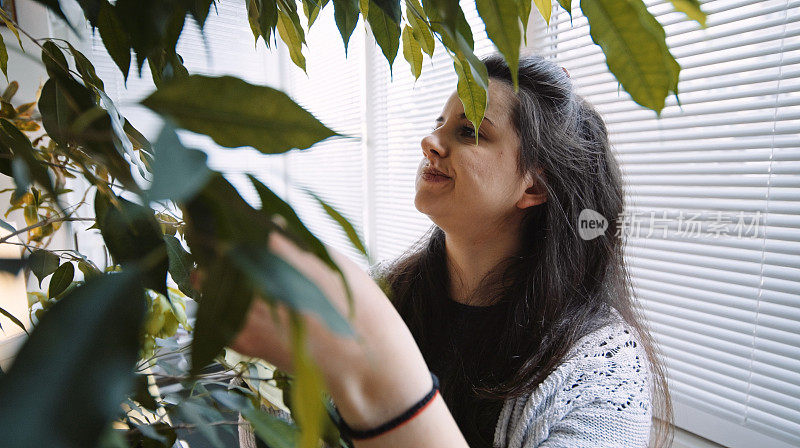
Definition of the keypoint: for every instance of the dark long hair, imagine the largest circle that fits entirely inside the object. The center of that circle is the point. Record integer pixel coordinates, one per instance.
(558, 287)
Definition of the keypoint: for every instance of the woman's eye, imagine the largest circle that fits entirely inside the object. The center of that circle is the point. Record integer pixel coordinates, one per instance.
(467, 131)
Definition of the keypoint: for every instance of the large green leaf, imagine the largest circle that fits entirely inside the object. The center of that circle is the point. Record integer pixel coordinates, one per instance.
(43, 263)
(63, 391)
(218, 214)
(635, 49)
(345, 12)
(235, 113)
(412, 51)
(133, 235)
(386, 32)
(178, 172)
(71, 115)
(272, 205)
(502, 26)
(224, 300)
(279, 281)
(114, 38)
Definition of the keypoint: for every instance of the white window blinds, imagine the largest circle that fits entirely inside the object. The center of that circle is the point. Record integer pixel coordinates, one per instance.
(713, 210)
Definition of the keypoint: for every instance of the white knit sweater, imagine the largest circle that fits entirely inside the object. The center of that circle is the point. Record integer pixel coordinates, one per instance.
(598, 397)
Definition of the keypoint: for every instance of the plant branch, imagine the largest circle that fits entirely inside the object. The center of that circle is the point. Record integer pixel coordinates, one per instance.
(42, 224)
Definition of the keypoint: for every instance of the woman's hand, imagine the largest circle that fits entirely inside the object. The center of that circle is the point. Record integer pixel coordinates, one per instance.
(372, 377)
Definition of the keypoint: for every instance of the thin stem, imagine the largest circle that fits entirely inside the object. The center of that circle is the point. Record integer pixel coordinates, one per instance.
(42, 224)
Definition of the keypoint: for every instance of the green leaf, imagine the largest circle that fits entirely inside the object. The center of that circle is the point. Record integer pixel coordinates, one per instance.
(567, 6)
(225, 298)
(219, 214)
(132, 235)
(85, 68)
(412, 51)
(43, 263)
(61, 279)
(386, 31)
(445, 13)
(692, 9)
(312, 8)
(263, 17)
(178, 172)
(14, 141)
(115, 39)
(416, 18)
(292, 34)
(634, 45)
(4, 17)
(3, 57)
(142, 393)
(502, 26)
(545, 8)
(13, 319)
(524, 11)
(180, 265)
(273, 431)
(391, 8)
(243, 114)
(278, 280)
(166, 65)
(272, 205)
(473, 96)
(103, 319)
(71, 115)
(345, 12)
(308, 391)
(348, 228)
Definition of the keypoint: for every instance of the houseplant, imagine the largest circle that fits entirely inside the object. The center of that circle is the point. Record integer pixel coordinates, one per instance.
(163, 212)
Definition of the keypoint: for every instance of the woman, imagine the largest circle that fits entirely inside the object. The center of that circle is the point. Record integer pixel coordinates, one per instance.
(529, 327)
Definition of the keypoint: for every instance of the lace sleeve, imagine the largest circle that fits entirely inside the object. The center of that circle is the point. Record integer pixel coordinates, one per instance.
(607, 398)
(599, 397)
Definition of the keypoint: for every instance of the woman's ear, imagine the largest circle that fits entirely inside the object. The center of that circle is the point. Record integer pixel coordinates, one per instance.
(535, 193)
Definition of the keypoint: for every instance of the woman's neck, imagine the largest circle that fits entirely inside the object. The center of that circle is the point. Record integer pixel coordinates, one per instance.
(471, 256)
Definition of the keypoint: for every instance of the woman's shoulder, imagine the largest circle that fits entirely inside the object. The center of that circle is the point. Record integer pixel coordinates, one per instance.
(598, 396)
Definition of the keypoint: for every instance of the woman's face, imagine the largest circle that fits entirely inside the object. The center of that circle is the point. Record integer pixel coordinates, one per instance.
(482, 184)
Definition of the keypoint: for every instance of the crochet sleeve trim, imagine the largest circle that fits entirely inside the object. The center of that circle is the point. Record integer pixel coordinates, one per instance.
(599, 397)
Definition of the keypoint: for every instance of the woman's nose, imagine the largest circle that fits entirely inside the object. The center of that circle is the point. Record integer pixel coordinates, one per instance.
(432, 144)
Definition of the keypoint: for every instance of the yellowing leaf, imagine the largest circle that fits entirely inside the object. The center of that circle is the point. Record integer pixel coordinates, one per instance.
(692, 9)
(634, 45)
(473, 96)
(412, 52)
(293, 39)
(545, 8)
(307, 391)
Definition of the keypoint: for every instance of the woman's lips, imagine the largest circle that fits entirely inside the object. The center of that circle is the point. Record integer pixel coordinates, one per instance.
(434, 178)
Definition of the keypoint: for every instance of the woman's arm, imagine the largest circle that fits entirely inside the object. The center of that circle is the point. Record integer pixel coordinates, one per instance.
(372, 378)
